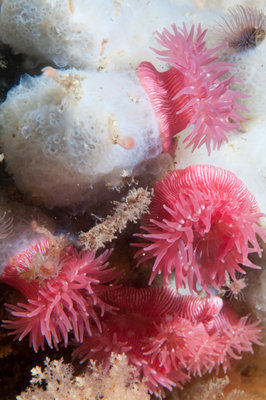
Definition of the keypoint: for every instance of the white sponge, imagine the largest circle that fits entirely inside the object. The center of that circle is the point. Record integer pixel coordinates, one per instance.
(66, 134)
(61, 31)
(102, 34)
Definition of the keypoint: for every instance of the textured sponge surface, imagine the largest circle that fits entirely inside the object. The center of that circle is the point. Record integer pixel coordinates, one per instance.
(106, 34)
(64, 134)
(59, 31)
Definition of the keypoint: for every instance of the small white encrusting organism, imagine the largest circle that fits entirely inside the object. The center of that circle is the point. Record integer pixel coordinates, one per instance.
(42, 266)
(234, 289)
(66, 134)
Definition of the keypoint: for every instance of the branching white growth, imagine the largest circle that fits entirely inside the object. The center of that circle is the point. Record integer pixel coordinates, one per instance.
(135, 204)
(61, 384)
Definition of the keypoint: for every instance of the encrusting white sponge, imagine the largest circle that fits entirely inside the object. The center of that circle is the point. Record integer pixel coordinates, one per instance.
(68, 134)
(102, 34)
(59, 31)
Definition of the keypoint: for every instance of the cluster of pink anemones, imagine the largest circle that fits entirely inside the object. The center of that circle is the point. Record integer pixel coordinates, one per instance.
(62, 289)
(191, 92)
(202, 223)
(168, 337)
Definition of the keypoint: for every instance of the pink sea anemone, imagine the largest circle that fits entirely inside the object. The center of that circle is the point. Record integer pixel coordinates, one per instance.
(202, 223)
(199, 349)
(168, 337)
(191, 93)
(140, 317)
(235, 335)
(243, 28)
(62, 289)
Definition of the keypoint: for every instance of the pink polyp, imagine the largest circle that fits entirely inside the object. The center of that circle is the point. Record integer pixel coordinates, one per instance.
(60, 304)
(127, 142)
(202, 222)
(192, 90)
